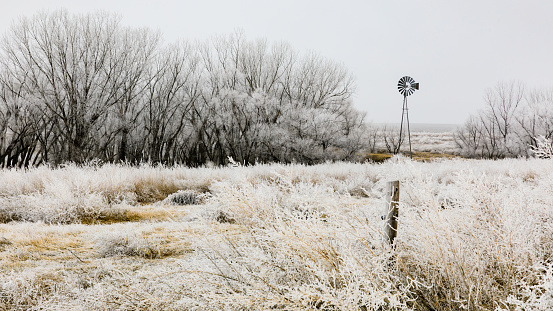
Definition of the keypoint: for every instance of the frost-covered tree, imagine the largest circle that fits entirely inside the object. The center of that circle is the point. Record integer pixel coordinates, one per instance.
(79, 87)
(61, 58)
(509, 125)
(19, 125)
(170, 97)
(536, 116)
(271, 105)
(492, 132)
(543, 148)
(135, 53)
(75, 68)
(391, 138)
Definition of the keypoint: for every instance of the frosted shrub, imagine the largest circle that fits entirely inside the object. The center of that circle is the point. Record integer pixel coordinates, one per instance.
(469, 233)
(22, 292)
(538, 297)
(107, 286)
(224, 217)
(184, 197)
(306, 247)
(473, 249)
(473, 235)
(122, 244)
(62, 207)
(85, 194)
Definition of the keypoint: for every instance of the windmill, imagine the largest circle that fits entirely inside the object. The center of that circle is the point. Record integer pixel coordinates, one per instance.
(406, 86)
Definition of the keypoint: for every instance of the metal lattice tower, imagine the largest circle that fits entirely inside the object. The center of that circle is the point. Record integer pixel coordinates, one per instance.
(406, 86)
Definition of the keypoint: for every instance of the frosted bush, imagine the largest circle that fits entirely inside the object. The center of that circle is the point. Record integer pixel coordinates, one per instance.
(107, 286)
(185, 197)
(32, 289)
(75, 194)
(60, 207)
(125, 244)
(224, 217)
(306, 247)
(537, 297)
(473, 235)
(469, 231)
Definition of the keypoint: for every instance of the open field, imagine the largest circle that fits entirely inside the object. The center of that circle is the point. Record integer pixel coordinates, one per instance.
(432, 138)
(473, 235)
(428, 142)
(441, 142)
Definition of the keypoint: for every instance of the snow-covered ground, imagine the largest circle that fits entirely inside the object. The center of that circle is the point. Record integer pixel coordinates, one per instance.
(473, 234)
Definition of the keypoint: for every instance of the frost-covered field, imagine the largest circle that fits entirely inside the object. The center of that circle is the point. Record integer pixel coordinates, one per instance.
(434, 138)
(474, 235)
(440, 142)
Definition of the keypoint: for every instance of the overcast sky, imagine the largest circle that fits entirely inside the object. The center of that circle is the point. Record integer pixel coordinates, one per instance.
(454, 49)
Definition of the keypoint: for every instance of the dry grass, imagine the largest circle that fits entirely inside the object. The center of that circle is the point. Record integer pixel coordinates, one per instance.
(473, 235)
(429, 156)
(377, 157)
(417, 156)
(136, 213)
(93, 194)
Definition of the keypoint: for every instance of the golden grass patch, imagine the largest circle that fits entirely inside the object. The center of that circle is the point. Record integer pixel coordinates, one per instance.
(153, 213)
(43, 242)
(137, 213)
(46, 241)
(167, 244)
(429, 156)
(377, 157)
(147, 241)
(149, 189)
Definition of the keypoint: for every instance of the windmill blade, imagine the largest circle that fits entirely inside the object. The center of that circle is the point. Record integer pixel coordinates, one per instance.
(407, 86)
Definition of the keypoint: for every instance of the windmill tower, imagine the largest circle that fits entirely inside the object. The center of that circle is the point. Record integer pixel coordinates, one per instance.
(406, 86)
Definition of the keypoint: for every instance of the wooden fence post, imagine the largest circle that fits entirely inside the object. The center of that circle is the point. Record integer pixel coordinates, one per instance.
(392, 200)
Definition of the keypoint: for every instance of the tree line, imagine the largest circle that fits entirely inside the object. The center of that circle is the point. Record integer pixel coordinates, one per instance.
(515, 121)
(75, 88)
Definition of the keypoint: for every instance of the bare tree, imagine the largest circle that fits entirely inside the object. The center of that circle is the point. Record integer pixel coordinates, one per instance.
(64, 59)
(390, 136)
(19, 123)
(493, 132)
(502, 104)
(171, 95)
(372, 136)
(134, 54)
(93, 89)
(535, 119)
(470, 137)
(254, 90)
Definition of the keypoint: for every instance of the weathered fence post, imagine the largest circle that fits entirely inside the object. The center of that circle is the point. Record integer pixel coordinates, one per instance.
(392, 199)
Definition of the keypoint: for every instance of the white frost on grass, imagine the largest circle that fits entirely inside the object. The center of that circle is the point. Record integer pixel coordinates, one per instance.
(473, 234)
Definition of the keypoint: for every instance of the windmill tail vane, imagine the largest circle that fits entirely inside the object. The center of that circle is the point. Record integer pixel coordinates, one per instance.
(406, 86)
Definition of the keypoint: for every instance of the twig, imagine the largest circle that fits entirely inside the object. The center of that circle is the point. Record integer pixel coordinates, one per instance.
(72, 253)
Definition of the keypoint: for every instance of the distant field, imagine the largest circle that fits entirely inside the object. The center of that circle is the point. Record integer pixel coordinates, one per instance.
(433, 127)
(434, 142)
(434, 138)
(426, 127)
(473, 235)
(431, 138)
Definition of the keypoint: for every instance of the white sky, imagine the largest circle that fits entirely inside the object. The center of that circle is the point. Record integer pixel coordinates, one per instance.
(454, 49)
